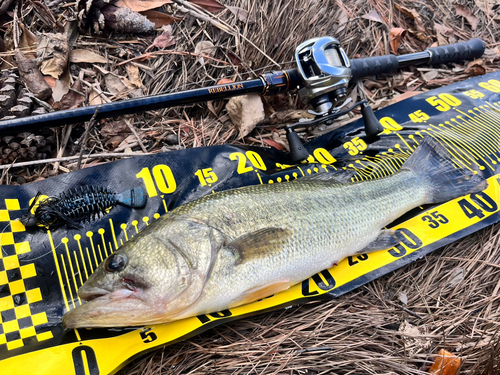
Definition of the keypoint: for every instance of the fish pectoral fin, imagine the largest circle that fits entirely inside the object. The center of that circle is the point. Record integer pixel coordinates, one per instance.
(385, 240)
(262, 291)
(259, 244)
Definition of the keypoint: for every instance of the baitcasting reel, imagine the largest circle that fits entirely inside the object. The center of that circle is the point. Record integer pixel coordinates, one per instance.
(325, 70)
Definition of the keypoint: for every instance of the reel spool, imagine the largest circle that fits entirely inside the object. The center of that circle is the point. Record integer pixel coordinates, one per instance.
(326, 72)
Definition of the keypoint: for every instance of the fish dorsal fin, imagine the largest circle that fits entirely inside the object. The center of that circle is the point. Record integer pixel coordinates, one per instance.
(338, 176)
(260, 243)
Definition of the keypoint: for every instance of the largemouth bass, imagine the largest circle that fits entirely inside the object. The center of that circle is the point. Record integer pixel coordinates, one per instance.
(237, 246)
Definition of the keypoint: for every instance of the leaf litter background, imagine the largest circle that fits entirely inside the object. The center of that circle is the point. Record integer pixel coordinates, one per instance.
(59, 54)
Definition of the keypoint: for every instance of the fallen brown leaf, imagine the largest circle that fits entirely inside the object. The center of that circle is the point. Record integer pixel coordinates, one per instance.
(133, 75)
(210, 5)
(28, 42)
(467, 14)
(95, 96)
(160, 19)
(224, 81)
(163, 40)
(242, 14)
(234, 59)
(476, 68)
(32, 77)
(373, 16)
(141, 5)
(273, 143)
(204, 47)
(246, 112)
(57, 46)
(62, 86)
(404, 96)
(395, 36)
(73, 98)
(413, 14)
(115, 128)
(444, 34)
(86, 56)
(430, 75)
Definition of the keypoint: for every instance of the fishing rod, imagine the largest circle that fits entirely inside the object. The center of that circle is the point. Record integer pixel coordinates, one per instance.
(322, 75)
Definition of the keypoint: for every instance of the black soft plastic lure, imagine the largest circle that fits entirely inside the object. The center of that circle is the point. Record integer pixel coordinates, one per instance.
(78, 205)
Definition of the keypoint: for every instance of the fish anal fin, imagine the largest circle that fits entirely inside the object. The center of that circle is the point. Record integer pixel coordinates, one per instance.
(259, 244)
(385, 240)
(262, 291)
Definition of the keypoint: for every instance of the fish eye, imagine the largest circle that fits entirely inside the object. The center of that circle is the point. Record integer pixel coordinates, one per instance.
(116, 262)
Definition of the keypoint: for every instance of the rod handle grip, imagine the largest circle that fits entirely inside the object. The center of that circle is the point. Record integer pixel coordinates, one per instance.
(370, 66)
(469, 50)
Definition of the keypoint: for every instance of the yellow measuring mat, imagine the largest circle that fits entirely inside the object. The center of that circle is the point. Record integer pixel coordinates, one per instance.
(41, 270)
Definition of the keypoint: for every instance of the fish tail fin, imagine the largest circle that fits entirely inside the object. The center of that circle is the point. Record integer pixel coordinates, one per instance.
(433, 166)
(134, 198)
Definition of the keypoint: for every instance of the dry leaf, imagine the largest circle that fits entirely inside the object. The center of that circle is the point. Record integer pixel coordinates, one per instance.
(51, 81)
(28, 42)
(430, 75)
(114, 128)
(86, 56)
(234, 59)
(373, 16)
(246, 112)
(396, 35)
(444, 34)
(141, 5)
(242, 14)
(273, 143)
(57, 46)
(62, 86)
(32, 77)
(164, 40)
(204, 48)
(210, 5)
(95, 96)
(413, 14)
(476, 68)
(73, 98)
(114, 84)
(487, 7)
(467, 14)
(224, 81)
(160, 19)
(404, 96)
(133, 75)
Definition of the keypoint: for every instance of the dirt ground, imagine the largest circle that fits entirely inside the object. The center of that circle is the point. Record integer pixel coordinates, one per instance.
(451, 295)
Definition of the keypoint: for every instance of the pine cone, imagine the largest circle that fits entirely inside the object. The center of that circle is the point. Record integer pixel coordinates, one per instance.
(14, 103)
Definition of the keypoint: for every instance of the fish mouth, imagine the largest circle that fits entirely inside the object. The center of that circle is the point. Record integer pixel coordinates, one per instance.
(119, 308)
(93, 294)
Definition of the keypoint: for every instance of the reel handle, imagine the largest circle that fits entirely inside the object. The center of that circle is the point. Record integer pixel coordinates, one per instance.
(369, 66)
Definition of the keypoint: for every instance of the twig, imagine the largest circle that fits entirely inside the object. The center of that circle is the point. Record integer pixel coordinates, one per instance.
(182, 53)
(67, 133)
(68, 158)
(88, 126)
(404, 309)
(132, 129)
